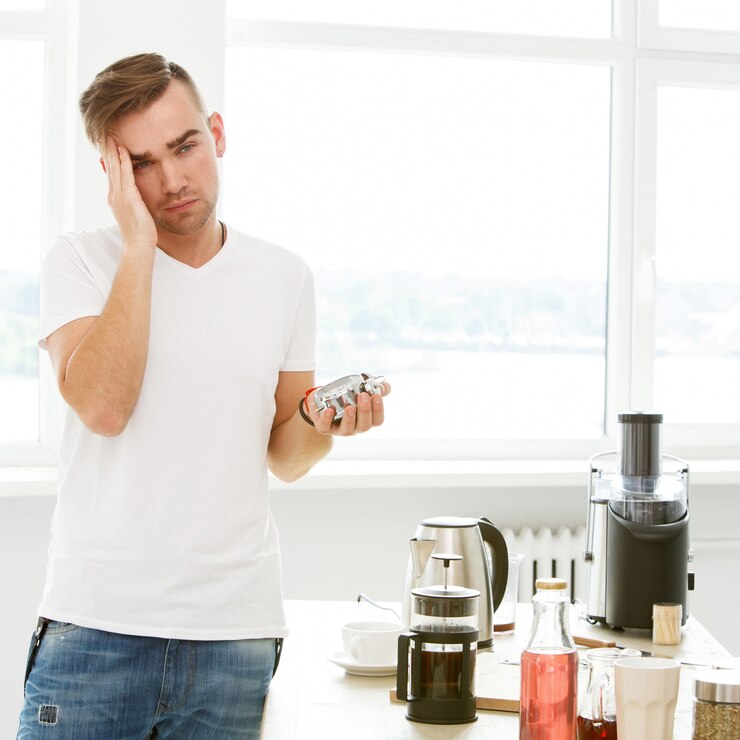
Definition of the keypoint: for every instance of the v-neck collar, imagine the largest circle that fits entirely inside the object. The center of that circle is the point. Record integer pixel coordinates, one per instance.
(204, 269)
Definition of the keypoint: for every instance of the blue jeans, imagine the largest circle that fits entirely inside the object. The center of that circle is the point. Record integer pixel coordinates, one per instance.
(86, 684)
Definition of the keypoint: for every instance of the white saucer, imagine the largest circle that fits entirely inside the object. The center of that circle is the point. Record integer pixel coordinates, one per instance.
(358, 669)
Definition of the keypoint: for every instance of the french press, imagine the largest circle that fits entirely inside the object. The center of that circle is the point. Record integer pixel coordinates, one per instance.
(436, 658)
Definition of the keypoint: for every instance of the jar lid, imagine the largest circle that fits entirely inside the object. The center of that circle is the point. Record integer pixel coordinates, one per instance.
(718, 686)
(551, 583)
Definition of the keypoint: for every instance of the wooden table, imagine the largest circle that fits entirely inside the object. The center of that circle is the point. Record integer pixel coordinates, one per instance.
(311, 698)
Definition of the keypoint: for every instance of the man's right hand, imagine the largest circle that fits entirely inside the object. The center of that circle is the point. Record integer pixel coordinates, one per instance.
(100, 360)
(133, 217)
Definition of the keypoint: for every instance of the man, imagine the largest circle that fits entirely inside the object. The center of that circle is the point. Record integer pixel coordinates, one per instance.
(183, 350)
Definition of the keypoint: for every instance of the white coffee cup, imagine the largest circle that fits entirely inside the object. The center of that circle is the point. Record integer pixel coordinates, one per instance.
(647, 692)
(371, 643)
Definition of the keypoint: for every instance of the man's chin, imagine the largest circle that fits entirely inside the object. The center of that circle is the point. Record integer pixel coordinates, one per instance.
(186, 224)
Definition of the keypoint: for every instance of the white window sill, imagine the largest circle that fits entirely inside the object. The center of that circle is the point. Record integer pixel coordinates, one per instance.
(413, 474)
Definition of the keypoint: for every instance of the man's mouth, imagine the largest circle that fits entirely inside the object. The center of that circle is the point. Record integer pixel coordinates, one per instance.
(180, 206)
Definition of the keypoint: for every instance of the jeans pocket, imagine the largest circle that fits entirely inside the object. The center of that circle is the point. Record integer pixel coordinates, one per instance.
(36, 638)
(59, 628)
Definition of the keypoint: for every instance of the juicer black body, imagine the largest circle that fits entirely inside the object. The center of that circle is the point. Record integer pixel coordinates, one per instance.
(645, 564)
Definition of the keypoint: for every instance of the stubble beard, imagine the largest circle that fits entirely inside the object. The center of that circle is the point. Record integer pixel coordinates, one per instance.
(184, 225)
(190, 222)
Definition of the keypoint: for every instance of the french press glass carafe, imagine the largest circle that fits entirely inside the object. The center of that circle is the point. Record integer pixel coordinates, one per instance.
(436, 658)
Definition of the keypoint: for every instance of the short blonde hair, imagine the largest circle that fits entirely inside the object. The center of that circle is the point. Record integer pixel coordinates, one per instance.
(128, 86)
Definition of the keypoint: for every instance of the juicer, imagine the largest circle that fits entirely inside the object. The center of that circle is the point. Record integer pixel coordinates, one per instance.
(637, 539)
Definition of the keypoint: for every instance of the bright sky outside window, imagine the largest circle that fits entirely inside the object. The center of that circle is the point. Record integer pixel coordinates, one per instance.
(697, 361)
(459, 244)
(21, 88)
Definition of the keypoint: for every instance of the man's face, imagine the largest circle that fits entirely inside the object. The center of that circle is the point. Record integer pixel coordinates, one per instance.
(173, 150)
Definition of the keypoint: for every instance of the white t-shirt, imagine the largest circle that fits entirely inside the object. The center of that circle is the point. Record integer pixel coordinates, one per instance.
(165, 530)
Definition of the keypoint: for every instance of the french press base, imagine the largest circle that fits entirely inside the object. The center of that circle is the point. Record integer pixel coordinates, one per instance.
(442, 665)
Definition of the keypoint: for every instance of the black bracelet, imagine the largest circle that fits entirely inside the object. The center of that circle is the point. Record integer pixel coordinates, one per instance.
(305, 416)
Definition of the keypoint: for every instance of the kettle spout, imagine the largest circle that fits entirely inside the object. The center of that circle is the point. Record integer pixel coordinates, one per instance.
(420, 553)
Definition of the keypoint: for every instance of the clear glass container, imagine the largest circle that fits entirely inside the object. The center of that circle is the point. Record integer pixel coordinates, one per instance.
(716, 712)
(549, 672)
(597, 713)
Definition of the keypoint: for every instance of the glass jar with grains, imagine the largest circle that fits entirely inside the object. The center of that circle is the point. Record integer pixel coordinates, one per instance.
(716, 705)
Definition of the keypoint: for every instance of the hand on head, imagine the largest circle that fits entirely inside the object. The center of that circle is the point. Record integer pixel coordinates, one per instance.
(131, 214)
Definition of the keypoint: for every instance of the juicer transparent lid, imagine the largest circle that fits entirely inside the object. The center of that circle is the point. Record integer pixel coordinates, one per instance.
(659, 499)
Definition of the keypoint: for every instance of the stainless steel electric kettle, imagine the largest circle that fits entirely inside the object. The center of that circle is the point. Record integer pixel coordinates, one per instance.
(484, 567)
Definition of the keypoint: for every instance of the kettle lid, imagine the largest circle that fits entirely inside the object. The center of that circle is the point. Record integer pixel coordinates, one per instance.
(449, 521)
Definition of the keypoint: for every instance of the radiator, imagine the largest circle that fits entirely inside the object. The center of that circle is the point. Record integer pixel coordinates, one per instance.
(549, 553)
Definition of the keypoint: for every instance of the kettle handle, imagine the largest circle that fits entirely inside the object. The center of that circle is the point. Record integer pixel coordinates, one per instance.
(499, 559)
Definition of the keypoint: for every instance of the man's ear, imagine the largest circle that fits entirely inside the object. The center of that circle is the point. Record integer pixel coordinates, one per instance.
(216, 124)
(102, 164)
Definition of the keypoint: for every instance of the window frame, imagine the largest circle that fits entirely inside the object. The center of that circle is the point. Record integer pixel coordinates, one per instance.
(53, 26)
(681, 40)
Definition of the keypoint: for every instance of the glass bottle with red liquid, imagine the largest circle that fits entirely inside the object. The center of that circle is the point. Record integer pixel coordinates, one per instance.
(549, 684)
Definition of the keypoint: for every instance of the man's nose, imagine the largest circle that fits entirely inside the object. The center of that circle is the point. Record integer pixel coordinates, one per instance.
(173, 177)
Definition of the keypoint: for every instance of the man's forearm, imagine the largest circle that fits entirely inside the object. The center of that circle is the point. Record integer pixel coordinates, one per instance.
(295, 447)
(102, 378)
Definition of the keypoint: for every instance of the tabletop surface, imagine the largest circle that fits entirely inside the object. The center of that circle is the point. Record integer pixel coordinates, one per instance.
(310, 697)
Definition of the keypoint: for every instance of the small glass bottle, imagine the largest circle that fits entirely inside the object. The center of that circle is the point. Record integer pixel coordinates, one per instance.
(549, 668)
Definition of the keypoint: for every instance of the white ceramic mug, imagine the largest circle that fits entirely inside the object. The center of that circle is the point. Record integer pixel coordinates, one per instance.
(371, 643)
(647, 692)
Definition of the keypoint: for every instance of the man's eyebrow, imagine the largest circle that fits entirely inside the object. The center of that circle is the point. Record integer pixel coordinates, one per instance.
(183, 137)
(170, 145)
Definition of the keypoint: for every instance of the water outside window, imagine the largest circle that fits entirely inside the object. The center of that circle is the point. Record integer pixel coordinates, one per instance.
(455, 213)
(21, 89)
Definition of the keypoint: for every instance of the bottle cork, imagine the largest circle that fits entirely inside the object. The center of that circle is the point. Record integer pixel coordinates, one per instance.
(667, 623)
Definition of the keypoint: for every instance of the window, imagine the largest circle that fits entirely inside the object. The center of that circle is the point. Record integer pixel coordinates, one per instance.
(478, 214)
(33, 82)
(457, 240)
(697, 346)
(21, 89)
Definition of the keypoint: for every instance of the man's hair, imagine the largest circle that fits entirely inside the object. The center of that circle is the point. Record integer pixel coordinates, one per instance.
(128, 86)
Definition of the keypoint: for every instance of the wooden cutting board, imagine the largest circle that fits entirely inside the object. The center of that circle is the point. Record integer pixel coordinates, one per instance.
(496, 684)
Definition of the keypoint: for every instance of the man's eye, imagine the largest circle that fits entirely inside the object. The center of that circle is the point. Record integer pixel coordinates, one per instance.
(142, 165)
(186, 148)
